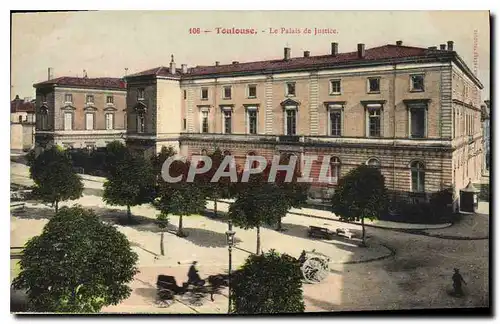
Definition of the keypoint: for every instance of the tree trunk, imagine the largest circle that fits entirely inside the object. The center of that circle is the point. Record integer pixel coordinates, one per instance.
(279, 225)
(129, 214)
(258, 240)
(162, 249)
(179, 230)
(363, 231)
(57, 205)
(215, 207)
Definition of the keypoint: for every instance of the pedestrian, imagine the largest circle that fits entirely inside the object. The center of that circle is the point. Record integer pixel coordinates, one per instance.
(457, 282)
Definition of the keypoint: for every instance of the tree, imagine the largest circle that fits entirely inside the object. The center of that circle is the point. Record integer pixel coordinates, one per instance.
(182, 198)
(360, 194)
(78, 264)
(131, 183)
(268, 283)
(160, 158)
(54, 177)
(220, 188)
(115, 152)
(256, 204)
(157, 163)
(294, 192)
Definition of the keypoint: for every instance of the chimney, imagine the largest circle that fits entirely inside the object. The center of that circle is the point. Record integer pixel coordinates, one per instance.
(184, 68)
(432, 48)
(335, 49)
(450, 45)
(306, 53)
(442, 47)
(172, 65)
(17, 97)
(399, 43)
(235, 62)
(217, 63)
(288, 51)
(361, 50)
(50, 73)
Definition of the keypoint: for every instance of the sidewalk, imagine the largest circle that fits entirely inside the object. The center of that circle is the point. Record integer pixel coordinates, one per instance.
(323, 214)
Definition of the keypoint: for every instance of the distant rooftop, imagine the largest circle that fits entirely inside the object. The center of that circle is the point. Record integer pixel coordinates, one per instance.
(20, 105)
(94, 83)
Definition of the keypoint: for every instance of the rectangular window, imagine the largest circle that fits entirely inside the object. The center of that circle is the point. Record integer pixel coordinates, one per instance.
(140, 123)
(227, 92)
(417, 122)
(374, 123)
(140, 93)
(109, 121)
(335, 122)
(68, 121)
(110, 100)
(417, 82)
(290, 89)
(44, 98)
(89, 121)
(291, 122)
(204, 121)
(185, 94)
(204, 93)
(184, 124)
(90, 99)
(68, 98)
(373, 84)
(227, 121)
(252, 91)
(252, 121)
(334, 86)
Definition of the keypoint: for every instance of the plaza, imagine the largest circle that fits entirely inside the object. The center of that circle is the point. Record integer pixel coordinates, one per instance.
(398, 269)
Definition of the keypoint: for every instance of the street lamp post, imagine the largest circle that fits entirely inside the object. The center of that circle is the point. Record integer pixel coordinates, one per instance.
(230, 241)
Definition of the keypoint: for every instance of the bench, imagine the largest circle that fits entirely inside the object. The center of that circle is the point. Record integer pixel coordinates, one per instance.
(320, 232)
(344, 232)
(19, 205)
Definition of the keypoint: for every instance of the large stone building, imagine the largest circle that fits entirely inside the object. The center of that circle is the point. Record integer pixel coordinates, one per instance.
(22, 124)
(413, 112)
(80, 112)
(485, 118)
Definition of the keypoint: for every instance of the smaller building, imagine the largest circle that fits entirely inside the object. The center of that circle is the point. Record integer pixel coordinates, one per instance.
(80, 112)
(22, 124)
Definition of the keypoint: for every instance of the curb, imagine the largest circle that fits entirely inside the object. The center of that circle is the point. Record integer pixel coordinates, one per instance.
(443, 236)
(367, 225)
(383, 257)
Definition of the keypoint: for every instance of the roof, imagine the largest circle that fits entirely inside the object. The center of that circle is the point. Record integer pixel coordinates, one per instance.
(374, 55)
(19, 105)
(158, 71)
(75, 82)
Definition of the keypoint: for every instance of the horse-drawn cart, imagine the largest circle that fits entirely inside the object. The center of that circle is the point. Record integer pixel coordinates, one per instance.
(314, 266)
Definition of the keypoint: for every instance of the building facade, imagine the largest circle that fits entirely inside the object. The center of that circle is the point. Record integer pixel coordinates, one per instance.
(80, 112)
(412, 112)
(22, 124)
(485, 118)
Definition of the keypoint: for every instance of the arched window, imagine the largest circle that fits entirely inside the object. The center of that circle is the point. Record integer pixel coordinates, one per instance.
(417, 176)
(203, 152)
(373, 162)
(334, 170)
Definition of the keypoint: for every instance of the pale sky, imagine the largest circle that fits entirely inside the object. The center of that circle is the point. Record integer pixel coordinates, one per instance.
(105, 43)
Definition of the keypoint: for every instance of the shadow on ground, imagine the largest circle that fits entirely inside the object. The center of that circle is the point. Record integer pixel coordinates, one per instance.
(206, 238)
